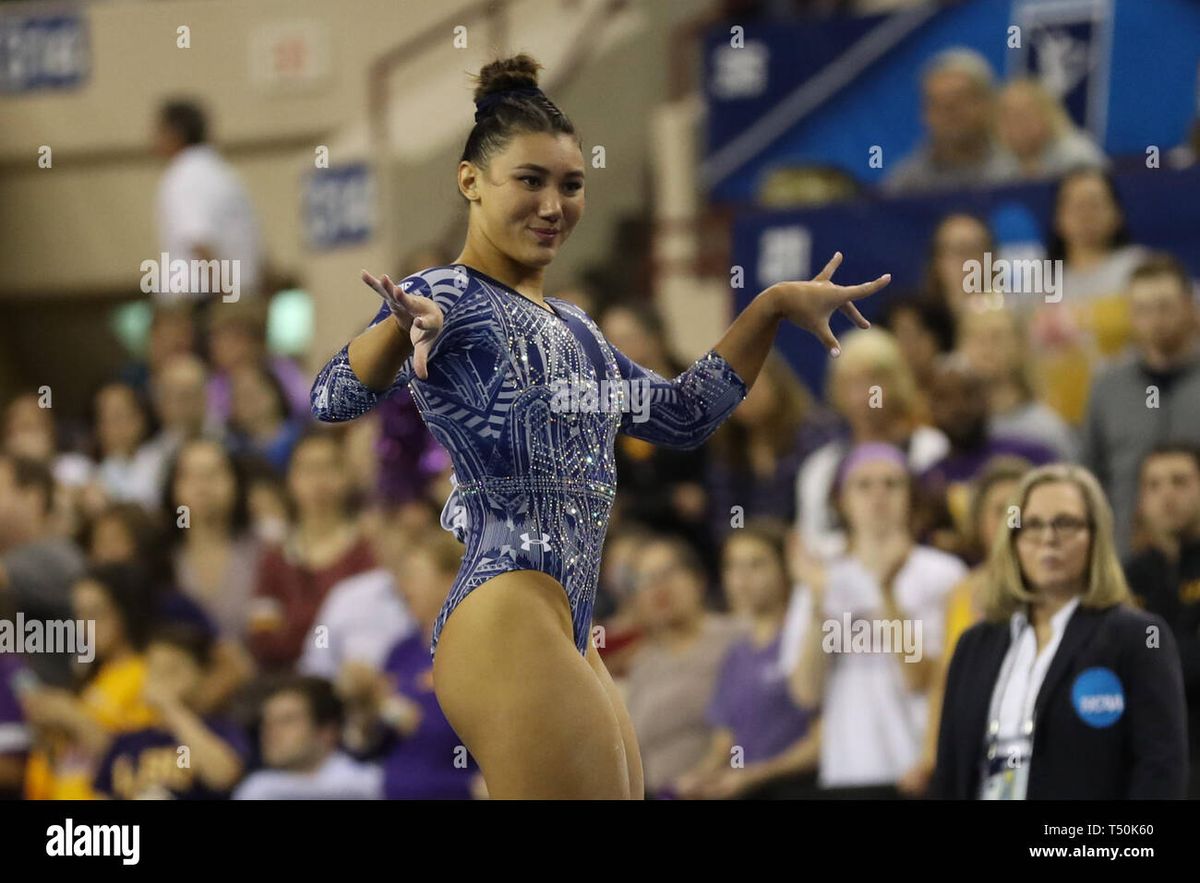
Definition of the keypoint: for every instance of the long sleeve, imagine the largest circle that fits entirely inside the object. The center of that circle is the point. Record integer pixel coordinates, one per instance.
(1157, 708)
(338, 395)
(680, 413)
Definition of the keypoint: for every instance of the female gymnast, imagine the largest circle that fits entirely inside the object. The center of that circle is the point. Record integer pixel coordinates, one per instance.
(486, 357)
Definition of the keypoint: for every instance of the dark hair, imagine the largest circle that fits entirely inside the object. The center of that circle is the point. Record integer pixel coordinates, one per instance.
(685, 553)
(150, 549)
(239, 518)
(195, 642)
(283, 407)
(932, 285)
(1170, 449)
(1161, 263)
(30, 473)
(186, 119)
(149, 419)
(324, 706)
(932, 314)
(770, 532)
(1057, 248)
(511, 114)
(129, 588)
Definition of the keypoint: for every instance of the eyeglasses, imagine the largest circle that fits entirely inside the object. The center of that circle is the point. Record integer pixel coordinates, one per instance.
(1065, 527)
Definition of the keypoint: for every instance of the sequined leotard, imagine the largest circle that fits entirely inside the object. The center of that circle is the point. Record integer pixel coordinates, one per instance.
(508, 397)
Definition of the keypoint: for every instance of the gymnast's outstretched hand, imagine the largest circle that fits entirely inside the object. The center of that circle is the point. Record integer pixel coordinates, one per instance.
(811, 304)
(421, 317)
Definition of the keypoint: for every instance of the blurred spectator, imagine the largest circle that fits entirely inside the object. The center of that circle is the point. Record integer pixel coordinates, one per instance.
(1029, 709)
(757, 454)
(127, 467)
(924, 329)
(29, 431)
(1165, 577)
(16, 737)
(870, 386)
(203, 211)
(960, 411)
(1038, 132)
(178, 390)
(957, 239)
(673, 672)
(874, 704)
(991, 494)
(422, 756)
(957, 107)
(172, 333)
(324, 546)
(1151, 396)
(1092, 319)
(124, 534)
(995, 345)
(146, 763)
(364, 616)
(666, 487)
(238, 338)
(619, 632)
(301, 725)
(407, 459)
(765, 744)
(211, 546)
(267, 502)
(74, 731)
(37, 567)
(259, 421)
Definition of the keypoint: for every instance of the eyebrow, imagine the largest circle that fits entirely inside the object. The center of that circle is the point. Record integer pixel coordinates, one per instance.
(545, 171)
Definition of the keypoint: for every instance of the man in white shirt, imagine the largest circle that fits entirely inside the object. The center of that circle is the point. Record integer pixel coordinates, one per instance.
(204, 212)
(301, 730)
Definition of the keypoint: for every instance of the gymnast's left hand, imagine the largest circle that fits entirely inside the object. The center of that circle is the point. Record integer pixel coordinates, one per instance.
(811, 304)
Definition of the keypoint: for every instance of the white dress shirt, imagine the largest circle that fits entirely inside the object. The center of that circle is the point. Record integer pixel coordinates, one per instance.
(1017, 693)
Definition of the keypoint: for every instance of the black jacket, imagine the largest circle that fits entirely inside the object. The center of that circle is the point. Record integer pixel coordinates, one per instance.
(1143, 755)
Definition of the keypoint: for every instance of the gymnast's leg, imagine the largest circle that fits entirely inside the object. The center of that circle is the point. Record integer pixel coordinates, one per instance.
(633, 755)
(526, 704)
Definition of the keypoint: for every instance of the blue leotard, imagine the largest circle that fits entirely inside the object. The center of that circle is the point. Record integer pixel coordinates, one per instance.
(507, 396)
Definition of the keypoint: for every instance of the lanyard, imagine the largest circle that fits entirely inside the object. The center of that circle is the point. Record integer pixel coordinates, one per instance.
(1006, 672)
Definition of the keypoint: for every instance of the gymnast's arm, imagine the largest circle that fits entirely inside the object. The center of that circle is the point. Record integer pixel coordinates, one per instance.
(392, 350)
(684, 412)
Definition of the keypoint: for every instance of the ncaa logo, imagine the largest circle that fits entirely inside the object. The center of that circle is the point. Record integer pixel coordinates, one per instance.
(1098, 698)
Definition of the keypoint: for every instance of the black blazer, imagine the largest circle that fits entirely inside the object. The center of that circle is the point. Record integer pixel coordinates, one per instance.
(1143, 755)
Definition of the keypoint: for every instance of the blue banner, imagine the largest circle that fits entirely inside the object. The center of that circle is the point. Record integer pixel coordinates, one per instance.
(46, 51)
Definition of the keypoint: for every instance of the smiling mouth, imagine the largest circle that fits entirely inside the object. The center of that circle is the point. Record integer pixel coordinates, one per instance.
(544, 234)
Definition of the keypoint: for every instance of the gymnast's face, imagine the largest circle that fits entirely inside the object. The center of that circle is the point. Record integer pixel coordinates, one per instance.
(529, 198)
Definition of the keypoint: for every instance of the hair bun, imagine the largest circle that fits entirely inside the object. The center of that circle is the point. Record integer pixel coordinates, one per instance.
(518, 72)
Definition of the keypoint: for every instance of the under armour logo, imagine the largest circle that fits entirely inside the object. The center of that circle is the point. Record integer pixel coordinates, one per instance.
(526, 542)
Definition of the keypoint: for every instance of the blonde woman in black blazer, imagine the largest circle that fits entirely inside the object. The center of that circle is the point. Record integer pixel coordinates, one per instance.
(1065, 691)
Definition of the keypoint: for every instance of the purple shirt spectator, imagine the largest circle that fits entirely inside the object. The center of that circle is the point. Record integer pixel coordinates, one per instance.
(409, 456)
(295, 383)
(144, 763)
(752, 700)
(961, 466)
(423, 765)
(14, 732)
(772, 496)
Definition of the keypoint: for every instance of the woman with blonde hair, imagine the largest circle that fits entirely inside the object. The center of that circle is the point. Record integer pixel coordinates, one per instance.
(1065, 690)
(872, 388)
(1040, 134)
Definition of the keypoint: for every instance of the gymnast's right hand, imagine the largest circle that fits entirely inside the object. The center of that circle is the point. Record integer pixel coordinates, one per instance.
(421, 317)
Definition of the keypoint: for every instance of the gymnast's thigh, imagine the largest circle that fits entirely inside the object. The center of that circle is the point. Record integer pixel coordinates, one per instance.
(633, 754)
(525, 702)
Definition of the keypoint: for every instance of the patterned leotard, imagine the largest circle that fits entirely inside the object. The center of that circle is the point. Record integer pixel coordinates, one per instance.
(528, 403)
